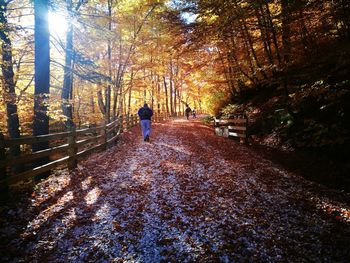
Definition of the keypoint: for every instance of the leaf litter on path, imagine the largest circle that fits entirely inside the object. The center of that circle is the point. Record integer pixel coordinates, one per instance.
(186, 196)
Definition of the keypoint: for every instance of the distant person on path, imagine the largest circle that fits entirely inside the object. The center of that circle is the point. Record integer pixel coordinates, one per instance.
(145, 114)
(187, 111)
(194, 113)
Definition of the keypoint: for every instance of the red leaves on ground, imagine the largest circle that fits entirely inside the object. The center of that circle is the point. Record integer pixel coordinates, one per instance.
(187, 196)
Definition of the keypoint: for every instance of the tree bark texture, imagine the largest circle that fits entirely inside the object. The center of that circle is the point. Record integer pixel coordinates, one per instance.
(67, 89)
(42, 71)
(8, 79)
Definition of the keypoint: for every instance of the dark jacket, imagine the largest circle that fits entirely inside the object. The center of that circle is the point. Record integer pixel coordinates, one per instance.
(145, 113)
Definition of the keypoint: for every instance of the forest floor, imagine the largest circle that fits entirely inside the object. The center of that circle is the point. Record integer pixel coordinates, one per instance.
(188, 196)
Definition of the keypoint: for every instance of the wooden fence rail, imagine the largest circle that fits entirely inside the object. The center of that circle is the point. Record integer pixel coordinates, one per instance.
(235, 126)
(66, 148)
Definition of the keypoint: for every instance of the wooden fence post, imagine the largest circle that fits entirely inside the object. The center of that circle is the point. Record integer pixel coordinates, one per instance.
(72, 150)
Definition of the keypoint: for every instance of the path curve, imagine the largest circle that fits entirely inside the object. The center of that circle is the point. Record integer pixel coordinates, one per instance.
(186, 196)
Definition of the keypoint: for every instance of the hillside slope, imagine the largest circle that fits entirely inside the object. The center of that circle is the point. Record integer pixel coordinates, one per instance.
(305, 110)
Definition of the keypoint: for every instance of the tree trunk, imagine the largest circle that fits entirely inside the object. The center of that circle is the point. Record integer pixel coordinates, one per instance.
(67, 89)
(171, 88)
(225, 66)
(249, 58)
(109, 50)
(232, 57)
(179, 100)
(166, 95)
(152, 90)
(251, 46)
(264, 34)
(78, 107)
(307, 40)
(175, 99)
(101, 104)
(8, 78)
(158, 94)
(285, 14)
(116, 97)
(274, 34)
(42, 71)
(124, 104)
(121, 101)
(345, 17)
(108, 103)
(42, 79)
(144, 87)
(130, 91)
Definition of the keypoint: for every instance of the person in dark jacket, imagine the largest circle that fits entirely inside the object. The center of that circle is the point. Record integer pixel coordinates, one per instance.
(145, 114)
(187, 111)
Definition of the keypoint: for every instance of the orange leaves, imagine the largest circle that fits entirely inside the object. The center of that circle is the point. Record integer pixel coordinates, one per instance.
(187, 196)
(117, 226)
(341, 214)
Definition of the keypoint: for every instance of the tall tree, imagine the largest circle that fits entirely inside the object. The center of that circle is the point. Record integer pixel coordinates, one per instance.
(67, 89)
(8, 77)
(42, 71)
(109, 51)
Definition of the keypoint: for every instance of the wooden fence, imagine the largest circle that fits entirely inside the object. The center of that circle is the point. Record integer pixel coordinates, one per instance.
(235, 126)
(66, 148)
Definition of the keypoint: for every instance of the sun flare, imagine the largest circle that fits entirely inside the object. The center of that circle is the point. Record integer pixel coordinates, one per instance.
(57, 24)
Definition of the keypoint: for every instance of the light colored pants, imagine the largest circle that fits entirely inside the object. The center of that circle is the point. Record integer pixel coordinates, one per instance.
(146, 128)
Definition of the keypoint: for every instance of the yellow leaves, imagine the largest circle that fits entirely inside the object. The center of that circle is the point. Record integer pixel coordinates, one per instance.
(210, 18)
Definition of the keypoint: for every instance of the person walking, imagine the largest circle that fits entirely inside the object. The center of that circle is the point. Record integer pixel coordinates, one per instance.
(145, 114)
(194, 113)
(187, 111)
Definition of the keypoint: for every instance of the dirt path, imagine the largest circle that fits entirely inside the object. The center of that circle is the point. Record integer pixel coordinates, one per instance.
(187, 196)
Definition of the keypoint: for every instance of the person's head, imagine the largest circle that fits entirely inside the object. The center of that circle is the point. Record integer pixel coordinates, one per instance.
(145, 105)
(186, 105)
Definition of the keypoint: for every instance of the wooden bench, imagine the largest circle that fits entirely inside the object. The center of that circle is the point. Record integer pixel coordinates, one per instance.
(235, 126)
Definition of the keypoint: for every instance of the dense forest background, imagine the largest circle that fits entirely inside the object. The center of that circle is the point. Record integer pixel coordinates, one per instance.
(186, 195)
(285, 64)
(106, 59)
